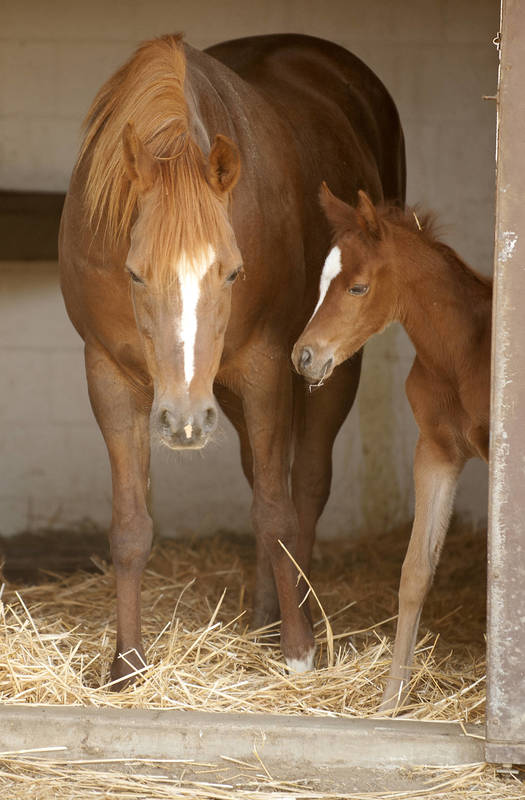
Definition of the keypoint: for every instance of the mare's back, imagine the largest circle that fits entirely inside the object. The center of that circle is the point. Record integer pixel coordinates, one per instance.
(333, 101)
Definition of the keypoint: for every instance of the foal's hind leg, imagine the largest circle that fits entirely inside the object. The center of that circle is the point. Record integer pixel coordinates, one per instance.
(265, 602)
(125, 427)
(320, 415)
(436, 472)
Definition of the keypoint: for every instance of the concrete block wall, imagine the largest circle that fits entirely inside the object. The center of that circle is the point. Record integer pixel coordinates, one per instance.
(437, 60)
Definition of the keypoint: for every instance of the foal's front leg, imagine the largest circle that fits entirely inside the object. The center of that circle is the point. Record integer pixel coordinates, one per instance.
(436, 472)
(125, 426)
(268, 408)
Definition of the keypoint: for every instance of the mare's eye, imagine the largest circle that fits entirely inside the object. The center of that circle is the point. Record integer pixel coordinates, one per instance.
(135, 278)
(359, 289)
(232, 277)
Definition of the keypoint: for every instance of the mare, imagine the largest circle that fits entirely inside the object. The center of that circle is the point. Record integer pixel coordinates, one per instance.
(384, 266)
(198, 168)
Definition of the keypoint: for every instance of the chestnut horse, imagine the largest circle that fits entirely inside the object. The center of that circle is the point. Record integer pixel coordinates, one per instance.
(386, 265)
(159, 223)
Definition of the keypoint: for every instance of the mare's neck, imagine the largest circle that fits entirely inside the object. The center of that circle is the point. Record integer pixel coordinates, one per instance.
(445, 307)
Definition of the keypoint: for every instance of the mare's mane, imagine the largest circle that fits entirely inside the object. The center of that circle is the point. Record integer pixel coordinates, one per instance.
(148, 91)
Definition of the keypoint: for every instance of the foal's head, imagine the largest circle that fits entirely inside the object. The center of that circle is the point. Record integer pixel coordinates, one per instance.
(182, 262)
(358, 294)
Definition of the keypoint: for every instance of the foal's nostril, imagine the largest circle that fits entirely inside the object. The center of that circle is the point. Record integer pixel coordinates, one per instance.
(327, 366)
(210, 419)
(306, 357)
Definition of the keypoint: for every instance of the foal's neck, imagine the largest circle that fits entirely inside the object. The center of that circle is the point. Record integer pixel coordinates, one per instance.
(445, 307)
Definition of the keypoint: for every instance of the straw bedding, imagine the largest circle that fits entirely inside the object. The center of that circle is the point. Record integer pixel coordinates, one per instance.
(39, 780)
(57, 639)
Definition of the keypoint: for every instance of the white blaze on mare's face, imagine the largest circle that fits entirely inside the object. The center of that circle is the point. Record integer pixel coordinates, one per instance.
(190, 275)
(332, 268)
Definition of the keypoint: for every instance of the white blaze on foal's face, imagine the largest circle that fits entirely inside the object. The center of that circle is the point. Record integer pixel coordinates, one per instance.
(332, 268)
(191, 274)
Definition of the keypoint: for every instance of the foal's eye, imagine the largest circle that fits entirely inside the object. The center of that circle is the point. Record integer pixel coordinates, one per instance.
(232, 277)
(135, 278)
(359, 289)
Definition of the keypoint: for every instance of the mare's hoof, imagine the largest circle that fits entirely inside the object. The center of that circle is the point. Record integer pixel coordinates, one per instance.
(304, 664)
(126, 669)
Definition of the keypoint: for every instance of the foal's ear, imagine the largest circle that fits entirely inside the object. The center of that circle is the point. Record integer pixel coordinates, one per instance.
(140, 164)
(344, 218)
(367, 217)
(224, 165)
(340, 215)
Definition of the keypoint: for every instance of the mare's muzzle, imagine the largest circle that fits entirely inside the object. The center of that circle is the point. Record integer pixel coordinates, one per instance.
(185, 428)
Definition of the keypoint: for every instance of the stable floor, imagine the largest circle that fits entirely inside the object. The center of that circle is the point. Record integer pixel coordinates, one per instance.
(57, 640)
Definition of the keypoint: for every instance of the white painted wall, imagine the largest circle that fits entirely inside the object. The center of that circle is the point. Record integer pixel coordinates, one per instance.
(436, 58)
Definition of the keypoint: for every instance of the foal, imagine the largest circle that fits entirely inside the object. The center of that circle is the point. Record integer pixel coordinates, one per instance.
(386, 266)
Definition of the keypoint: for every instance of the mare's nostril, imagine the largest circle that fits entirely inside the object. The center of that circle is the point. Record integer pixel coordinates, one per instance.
(210, 419)
(164, 418)
(306, 357)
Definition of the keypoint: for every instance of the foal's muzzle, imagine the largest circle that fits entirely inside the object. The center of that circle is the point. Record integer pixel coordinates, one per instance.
(314, 365)
(186, 429)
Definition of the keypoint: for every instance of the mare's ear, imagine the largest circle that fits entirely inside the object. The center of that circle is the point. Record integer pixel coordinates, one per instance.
(340, 215)
(140, 164)
(224, 165)
(367, 217)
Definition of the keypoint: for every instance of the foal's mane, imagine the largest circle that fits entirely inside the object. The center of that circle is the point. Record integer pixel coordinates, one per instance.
(148, 91)
(427, 225)
(413, 219)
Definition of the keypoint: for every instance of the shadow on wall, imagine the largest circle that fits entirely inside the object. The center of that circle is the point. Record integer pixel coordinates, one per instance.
(29, 224)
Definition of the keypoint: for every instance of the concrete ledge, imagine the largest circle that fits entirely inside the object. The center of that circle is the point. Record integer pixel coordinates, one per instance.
(308, 741)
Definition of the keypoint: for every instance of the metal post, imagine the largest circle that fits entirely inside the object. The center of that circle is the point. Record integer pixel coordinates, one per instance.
(506, 567)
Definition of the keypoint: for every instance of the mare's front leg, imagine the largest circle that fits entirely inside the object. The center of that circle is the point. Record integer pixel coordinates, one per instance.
(268, 409)
(436, 471)
(265, 601)
(318, 418)
(123, 418)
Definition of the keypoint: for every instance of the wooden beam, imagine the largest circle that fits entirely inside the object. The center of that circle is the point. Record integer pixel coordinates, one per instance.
(506, 572)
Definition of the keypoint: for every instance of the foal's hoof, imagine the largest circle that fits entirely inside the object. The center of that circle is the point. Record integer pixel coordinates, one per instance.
(126, 669)
(394, 700)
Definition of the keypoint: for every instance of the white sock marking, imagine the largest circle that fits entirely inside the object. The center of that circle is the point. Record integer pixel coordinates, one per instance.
(332, 268)
(190, 277)
(302, 665)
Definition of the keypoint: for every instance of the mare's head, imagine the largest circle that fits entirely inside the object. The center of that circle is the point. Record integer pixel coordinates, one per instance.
(182, 263)
(357, 293)
(162, 188)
